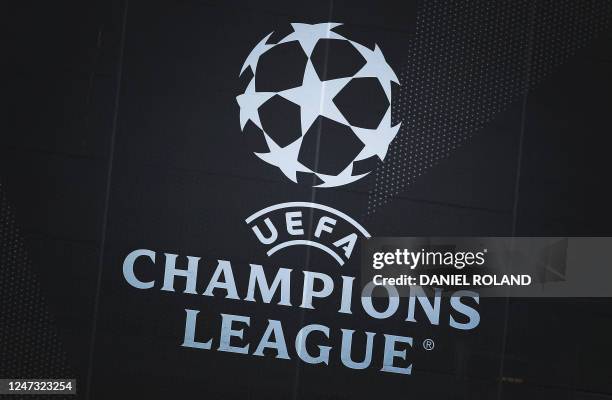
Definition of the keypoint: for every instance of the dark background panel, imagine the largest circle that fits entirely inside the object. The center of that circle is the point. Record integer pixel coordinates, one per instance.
(565, 160)
(121, 132)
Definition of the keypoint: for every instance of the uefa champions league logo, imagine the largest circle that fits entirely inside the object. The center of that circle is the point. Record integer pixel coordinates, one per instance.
(313, 103)
(328, 139)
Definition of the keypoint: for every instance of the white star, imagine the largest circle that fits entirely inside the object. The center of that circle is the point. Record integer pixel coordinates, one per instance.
(376, 67)
(249, 102)
(377, 140)
(285, 158)
(316, 97)
(253, 57)
(308, 35)
(343, 178)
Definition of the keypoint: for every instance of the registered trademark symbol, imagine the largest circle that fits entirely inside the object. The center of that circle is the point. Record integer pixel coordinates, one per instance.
(428, 344)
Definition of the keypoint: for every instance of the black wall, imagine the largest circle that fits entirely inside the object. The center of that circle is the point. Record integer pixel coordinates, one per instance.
(121, 132)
